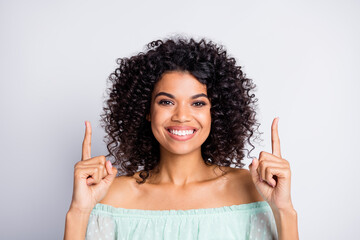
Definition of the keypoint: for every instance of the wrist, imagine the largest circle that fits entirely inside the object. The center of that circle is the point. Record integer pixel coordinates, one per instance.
(288, 213)
(78, 217)
(75, 211)
(286, 223)
(76, 224)
(286, 210)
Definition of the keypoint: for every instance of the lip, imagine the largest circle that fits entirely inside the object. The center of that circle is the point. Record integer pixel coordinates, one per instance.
(181, 128)
(181, 138)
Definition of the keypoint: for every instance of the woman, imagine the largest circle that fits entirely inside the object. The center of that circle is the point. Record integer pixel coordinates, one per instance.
(177, 117)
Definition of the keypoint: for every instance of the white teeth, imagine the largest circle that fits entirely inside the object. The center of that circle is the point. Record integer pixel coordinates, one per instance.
(181, 132)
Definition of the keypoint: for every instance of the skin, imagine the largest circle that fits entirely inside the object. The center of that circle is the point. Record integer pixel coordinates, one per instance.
(181, 161)
(263, 170)
(277, 193)
(92, 180)
(183, 179)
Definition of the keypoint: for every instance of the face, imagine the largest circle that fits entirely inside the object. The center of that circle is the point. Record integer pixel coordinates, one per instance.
(180, 113)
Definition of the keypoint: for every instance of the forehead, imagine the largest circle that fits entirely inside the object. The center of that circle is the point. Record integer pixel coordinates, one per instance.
(179, 82)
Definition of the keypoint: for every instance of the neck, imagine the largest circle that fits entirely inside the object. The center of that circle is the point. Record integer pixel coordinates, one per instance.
(180, 170)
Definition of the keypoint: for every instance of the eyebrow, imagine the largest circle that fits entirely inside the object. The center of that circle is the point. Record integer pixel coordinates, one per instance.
(173, 97)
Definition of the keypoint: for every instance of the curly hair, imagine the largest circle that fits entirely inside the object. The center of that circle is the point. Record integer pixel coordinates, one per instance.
(130, 139)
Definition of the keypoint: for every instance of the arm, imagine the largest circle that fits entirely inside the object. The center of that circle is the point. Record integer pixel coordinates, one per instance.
(272, 178)
(92, 180)
(76, 224)
(286, 224)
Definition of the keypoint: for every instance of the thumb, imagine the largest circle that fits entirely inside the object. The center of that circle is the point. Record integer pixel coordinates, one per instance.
(252, 167)
(112, 171)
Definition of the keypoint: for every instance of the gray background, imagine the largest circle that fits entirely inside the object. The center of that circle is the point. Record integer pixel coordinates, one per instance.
(55, 58)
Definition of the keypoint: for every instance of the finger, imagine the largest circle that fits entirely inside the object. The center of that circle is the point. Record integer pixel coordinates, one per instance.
(95, 160)
(268, 156)
(275, 172)
(275, 140)
(83, 174)
(256, 177)
(112, 171)
(102, 169)
(90, 181)
(253, 170)
(86, 147)
(270, 178)
(95, 175)
(265, 166)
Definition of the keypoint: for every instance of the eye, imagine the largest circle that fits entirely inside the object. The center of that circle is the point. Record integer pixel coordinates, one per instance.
(165, 102)
(199, 104)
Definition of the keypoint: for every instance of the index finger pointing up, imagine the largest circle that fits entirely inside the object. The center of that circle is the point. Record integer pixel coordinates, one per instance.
(86, 146)
(275, 140)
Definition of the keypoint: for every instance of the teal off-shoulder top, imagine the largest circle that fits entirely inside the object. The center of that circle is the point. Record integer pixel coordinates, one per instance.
(246, 221)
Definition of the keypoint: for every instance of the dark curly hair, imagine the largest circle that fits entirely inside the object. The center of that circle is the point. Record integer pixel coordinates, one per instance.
(130, 139)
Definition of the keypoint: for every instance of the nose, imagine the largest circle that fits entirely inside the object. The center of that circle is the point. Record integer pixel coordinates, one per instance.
(181, 114)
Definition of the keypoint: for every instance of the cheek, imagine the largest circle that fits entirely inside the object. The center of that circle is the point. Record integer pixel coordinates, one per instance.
(158, 119)
(205, 121)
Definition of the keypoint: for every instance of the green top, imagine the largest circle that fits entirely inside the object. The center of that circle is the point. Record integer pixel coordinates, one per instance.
(245, 221)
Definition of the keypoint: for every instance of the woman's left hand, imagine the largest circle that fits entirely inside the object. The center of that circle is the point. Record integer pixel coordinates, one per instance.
(271, 174)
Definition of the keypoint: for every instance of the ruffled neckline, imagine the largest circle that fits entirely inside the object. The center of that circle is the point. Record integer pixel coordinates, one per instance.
(254, 206)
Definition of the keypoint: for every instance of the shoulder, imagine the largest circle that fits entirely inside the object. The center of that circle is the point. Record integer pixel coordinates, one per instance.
(242, 186)
(121, 186)
(233, 184)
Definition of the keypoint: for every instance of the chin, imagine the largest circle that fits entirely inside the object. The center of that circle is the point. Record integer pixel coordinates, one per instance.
(181, 150)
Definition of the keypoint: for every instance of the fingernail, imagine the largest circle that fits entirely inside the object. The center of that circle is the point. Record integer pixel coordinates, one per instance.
(110, 164)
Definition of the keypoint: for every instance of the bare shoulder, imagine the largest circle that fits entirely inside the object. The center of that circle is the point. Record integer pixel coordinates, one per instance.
(121, 191)
(242, 186)
(233, 185)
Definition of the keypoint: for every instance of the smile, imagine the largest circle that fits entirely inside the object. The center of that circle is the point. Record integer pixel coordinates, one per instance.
(181, 135)
(181, 132)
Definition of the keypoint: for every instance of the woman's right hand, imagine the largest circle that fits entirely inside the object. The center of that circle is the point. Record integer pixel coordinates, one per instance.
(92, 177)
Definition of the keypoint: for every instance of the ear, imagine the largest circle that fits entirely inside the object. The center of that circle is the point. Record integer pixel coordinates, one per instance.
(148, 117)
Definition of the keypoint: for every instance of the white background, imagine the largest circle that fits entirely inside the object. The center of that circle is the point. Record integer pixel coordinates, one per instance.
(55, 58)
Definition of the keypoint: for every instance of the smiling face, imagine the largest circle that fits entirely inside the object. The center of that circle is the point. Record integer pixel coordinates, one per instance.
(180, 113)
